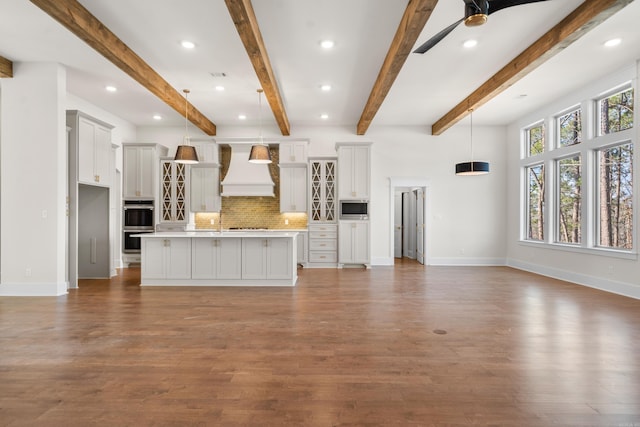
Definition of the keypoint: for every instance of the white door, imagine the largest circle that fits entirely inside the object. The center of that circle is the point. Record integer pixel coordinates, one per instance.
(420, 226)
(397, 225)
(405, 224)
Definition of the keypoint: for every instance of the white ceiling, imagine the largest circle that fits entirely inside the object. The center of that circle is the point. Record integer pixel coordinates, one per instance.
(428, 86)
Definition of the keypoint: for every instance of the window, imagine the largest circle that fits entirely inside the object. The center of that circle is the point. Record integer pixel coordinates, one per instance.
(570, 128)
(569, 200)
(535, 204)
(535, 139)
(588, 163)
(616, 112)
(615, 189)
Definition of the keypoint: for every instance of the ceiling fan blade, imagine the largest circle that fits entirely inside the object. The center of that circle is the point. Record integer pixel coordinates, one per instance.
(496, 5)
(436, 39)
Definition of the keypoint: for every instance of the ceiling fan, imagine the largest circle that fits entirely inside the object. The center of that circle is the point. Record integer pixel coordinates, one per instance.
(476, 12)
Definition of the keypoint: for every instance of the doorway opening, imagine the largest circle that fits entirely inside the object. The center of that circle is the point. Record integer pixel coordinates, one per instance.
(409, 219)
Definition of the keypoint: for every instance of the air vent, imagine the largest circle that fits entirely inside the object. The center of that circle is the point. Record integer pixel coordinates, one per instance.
(219, 74)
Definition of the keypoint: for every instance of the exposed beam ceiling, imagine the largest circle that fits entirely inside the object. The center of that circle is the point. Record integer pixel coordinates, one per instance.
(83, 24)
(6, 67)
(588, 15)
(413, 21)
(246, 23)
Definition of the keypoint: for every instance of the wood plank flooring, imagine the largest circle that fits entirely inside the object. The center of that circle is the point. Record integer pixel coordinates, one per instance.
(409, 345)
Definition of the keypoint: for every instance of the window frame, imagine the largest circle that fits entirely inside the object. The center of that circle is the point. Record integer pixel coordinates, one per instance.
(587, 149)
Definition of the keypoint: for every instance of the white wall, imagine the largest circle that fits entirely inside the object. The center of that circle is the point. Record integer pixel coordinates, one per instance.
(467, 213)
(615, 274)
(34, 167)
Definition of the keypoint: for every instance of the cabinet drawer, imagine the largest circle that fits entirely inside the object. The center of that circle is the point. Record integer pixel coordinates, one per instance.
(320, 256)
(324, 228)
(323, 244)
(323, 235)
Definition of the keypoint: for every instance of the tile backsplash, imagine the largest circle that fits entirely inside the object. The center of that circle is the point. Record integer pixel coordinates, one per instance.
(251, 212)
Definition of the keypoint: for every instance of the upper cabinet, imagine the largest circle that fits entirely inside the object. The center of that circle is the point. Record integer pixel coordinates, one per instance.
(293, 189)
(293, 152)
(140, 165)
(173, 192)
(354, 170)
(91, 143)
(322, 188)
(208, 152)
(205, 188)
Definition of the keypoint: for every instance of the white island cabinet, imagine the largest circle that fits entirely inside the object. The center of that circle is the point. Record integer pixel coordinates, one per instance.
(230, 258)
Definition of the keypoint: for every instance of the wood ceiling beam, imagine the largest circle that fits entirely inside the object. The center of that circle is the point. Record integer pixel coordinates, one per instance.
(6, 67)
(588, 15)
(83, 24)
(413, 21)
(244, 18)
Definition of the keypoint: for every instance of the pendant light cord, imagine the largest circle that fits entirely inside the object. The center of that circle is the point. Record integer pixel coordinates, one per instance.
(260, 114)
(186, 117)
(471, 133)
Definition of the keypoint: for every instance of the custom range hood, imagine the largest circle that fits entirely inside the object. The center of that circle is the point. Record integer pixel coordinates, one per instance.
(244, 178)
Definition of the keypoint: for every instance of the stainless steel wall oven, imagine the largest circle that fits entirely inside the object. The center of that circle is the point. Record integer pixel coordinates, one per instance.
(137, 218)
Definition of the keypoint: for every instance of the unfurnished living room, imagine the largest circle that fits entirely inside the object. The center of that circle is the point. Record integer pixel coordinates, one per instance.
(319, 213)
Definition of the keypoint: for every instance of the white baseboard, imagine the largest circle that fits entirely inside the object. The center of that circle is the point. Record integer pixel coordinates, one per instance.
(467, 261)
(382, 261)
(620, 288)
(33, 289)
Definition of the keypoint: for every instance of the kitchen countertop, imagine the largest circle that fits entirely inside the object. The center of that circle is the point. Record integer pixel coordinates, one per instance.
(224, 233)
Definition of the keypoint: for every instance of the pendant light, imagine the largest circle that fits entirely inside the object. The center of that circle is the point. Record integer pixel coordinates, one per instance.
(472, 168)
(186, 153)
(260, 152)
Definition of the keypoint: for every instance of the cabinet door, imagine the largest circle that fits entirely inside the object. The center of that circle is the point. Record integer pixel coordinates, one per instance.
(229, 257)
(153, 258)
(253, 258)
(204, 187)
(345, 242)
(102, 153)
(130, 167)
(173, 192)
(322, 187)
(279, 256)
(178, 258)
(203, 258)
(361, 242)
(146, 174)
(86, 151)
(353, 172)
(293, 152)
(293, 189)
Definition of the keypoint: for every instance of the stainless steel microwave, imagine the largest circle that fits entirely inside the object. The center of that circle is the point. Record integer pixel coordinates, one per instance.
(354, 209)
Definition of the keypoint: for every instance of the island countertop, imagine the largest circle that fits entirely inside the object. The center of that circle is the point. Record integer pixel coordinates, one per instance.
(220, 234)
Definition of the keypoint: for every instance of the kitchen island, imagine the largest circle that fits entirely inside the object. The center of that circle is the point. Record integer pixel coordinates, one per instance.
(214, 258)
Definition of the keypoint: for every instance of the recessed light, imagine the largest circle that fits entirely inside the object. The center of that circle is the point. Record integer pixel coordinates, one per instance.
(470, 43)
(110, 88)
(325, 88)
(157, 117)
(612, 42)
(187, 44)
(219, 88)
(242, 117)
(327, 44)
(324, 116)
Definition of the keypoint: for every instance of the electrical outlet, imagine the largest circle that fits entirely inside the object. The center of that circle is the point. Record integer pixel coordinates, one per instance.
(212, 221)
(286, 222)
(27, 272)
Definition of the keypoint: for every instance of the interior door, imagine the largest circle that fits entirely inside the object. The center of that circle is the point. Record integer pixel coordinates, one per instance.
(397, 225)
(405, 224)
(420, 226)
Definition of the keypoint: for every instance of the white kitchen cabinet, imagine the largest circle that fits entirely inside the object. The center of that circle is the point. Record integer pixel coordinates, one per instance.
(267, 259)
(293, 152)
(168, 258)
(353, 243)
(140, 166)
(322, 190)
(173, 192)
(208, 152)
(293, 189)
(204, 187)
(323, 245)
(92, 146)
(354, 170)
(303, 247)
(214, 258)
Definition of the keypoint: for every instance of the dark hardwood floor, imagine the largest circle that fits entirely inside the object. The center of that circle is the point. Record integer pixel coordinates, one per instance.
(409, 345)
